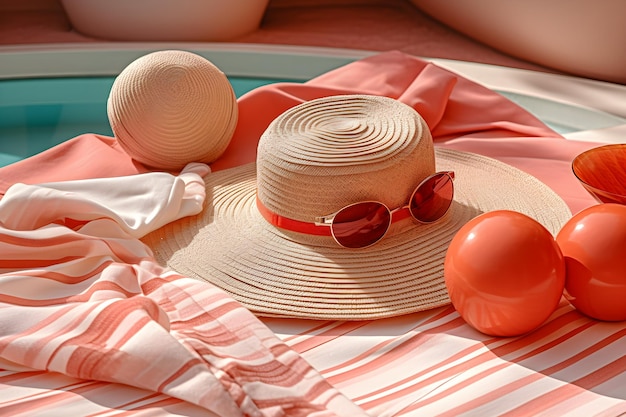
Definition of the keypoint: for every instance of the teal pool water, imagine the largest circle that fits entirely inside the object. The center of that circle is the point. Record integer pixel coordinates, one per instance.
(36, 114)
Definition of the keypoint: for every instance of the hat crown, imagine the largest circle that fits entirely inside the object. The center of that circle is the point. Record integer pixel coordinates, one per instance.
(324, 154)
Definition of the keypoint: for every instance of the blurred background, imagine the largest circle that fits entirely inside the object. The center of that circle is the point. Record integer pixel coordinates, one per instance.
(578, 37)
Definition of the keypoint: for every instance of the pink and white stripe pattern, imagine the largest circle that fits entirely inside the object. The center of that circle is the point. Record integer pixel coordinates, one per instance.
(82, 299)
(433, 363)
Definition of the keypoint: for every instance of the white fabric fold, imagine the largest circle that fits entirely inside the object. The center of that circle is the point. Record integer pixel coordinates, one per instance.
(137, 203)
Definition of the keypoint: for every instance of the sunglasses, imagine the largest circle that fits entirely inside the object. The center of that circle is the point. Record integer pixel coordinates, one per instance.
(362, 224)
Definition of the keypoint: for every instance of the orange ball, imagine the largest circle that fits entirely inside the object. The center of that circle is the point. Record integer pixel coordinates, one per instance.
(594, 245)
(505, 273)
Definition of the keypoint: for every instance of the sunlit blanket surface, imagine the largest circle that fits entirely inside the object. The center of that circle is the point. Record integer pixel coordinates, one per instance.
(91, 325)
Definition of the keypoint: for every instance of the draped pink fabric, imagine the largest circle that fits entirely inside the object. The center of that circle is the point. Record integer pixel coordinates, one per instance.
(452, 106)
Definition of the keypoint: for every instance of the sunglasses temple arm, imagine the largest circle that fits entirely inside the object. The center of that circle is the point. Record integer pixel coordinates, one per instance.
(325, 220)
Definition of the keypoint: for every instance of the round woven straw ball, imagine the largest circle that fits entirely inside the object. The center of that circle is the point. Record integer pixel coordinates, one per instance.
(169, 108)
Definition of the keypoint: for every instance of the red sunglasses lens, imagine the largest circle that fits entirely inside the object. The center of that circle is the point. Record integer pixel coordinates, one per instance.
(432, 199)
(361, 224)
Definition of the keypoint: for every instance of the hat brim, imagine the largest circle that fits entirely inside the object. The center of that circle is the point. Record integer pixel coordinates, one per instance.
(280, 273)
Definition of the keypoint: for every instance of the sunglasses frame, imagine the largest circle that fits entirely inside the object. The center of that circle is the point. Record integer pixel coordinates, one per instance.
(328, 220)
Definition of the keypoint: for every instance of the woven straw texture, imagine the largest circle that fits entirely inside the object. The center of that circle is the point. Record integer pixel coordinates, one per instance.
(304, 157)
(325, 154)
(169, 108)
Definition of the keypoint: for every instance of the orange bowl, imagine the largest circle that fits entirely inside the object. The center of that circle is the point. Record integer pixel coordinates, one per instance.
(602, 171)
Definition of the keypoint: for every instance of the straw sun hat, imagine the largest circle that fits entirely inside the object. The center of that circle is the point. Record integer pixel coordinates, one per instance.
(313, 160)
